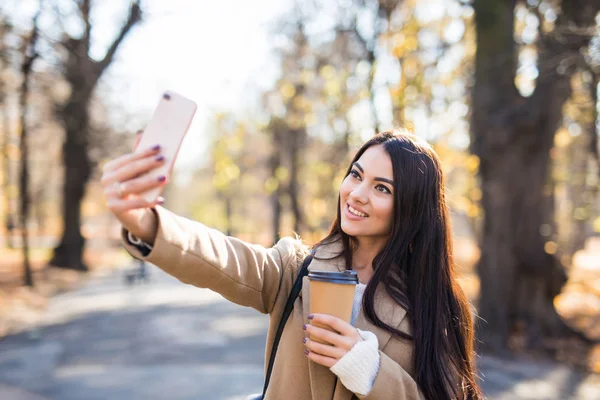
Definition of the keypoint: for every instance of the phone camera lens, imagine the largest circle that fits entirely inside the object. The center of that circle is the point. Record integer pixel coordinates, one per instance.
(167, 96)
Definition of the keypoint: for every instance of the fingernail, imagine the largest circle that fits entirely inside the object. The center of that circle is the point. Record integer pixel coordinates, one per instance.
(161, 201)
(310, 316)
(162, 178)
(304, 340)
(160, 158)
(306, 352)
(304, 327)
(157, 147)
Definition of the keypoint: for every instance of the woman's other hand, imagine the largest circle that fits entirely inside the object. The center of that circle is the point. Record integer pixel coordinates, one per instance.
(339, 342)
(123, 179)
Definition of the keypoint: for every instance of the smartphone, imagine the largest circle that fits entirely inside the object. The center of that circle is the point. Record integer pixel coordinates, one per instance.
(167, 128)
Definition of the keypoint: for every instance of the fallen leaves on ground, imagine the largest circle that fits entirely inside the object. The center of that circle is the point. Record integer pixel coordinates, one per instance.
(22, 306)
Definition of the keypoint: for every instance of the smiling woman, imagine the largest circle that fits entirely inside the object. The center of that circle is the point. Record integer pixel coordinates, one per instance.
(411, 332)
(393, 223)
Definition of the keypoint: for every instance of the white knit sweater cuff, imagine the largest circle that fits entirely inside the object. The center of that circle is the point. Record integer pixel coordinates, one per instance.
(358, 368)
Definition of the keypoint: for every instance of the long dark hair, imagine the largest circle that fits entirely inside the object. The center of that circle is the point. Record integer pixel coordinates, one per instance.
(417, 270)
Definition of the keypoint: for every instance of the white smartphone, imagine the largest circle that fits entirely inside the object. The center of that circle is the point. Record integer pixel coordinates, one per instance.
(167, 128)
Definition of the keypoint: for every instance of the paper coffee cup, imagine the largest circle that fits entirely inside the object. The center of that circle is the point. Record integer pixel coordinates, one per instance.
(332, 293)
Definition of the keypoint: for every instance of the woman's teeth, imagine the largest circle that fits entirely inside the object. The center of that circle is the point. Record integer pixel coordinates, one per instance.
(357, 213)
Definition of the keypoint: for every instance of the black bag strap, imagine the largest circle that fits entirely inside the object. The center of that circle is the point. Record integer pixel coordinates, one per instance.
(289, 306)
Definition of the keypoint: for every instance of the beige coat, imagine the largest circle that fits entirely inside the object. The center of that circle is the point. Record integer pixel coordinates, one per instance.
(261, 278)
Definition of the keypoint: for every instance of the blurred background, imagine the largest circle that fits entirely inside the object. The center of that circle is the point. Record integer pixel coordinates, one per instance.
(506, 91)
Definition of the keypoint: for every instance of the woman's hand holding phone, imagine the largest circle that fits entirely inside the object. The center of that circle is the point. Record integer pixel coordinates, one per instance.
(127, 177)
(133, 182)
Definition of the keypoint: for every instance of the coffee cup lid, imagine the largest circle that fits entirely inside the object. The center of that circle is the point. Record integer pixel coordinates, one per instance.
(345, 278)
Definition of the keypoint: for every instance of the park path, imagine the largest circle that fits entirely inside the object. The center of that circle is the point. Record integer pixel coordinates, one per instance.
(167, 340)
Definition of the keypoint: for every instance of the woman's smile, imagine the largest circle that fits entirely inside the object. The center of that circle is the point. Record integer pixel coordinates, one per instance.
(354, 213)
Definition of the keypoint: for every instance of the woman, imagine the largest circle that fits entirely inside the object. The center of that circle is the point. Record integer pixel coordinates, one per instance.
(413, 337)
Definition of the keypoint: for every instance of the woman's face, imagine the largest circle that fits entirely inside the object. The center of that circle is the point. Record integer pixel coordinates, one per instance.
(367, 196)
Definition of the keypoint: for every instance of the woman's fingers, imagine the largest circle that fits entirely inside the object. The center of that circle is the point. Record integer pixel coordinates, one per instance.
(138, 185)
(338, 335)
(133, 169)
(337, 324)
(327, 336)
(320, 359)
(324, 349)
(110, 167)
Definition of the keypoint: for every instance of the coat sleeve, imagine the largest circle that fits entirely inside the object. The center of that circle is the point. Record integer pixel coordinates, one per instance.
(392, 382)
(246, 274)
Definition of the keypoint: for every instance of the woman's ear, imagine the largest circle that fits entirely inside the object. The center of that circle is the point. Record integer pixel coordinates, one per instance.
(138, 137)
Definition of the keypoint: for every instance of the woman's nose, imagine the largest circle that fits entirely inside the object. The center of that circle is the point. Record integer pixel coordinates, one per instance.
(358, 194)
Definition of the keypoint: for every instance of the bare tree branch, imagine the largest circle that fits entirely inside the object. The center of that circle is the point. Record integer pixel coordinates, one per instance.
(84, 8)
(135, 15)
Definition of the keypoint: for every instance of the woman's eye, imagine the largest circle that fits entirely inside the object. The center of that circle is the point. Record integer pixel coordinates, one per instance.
(354, 174)
(383, 189)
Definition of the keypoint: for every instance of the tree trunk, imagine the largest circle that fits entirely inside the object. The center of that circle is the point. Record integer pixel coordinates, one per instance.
(276, 206)
(539, 276)
(513, 137)
(274, 165)
(9, 222)
(593, 149)
(69, 253)
(371, 88)
(78, 168)
(24, 191)
(297, 141)
(229, 215)
(29, 56)
(577, 189)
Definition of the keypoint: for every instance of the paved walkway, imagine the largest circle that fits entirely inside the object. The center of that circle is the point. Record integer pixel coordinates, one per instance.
(166, 340)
